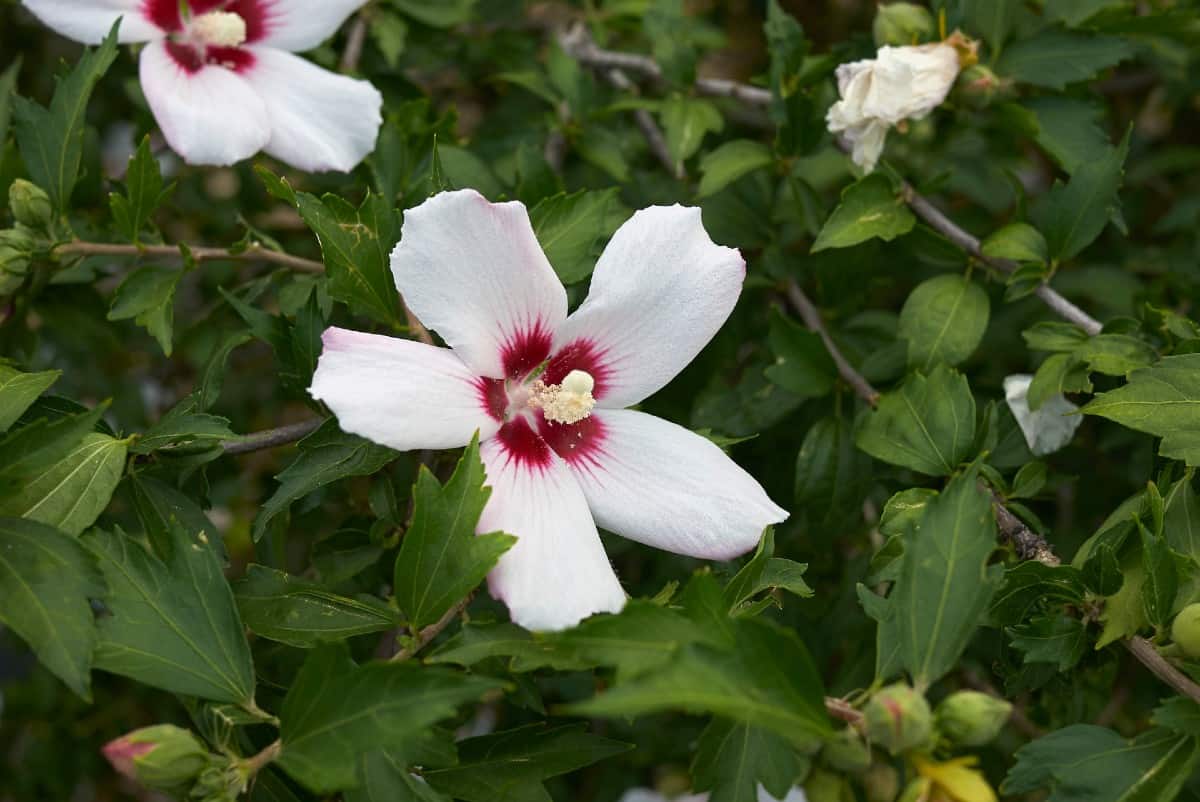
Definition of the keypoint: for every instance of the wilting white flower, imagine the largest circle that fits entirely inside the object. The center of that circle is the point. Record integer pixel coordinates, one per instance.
(1048, 428)
(648, 795)
(223, 83)
(547, 392)
(900, 83)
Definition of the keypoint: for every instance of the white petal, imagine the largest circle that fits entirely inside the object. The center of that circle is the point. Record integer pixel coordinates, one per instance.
(661, 290)
(400, 393)
(299, 25)
(319, 120)
(557, 573)
(89, 21)
(1048, 428)
(210, 116)
(909, 82)
(657, 483)
(474, 272)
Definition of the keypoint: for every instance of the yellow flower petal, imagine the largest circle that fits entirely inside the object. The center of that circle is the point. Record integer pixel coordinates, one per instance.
(957, 779)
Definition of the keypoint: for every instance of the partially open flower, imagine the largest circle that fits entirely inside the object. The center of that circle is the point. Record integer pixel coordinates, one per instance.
(900, 83)
(547, 393)
(1047, 428)
(222, 80)
(954, 780)
(163, 757)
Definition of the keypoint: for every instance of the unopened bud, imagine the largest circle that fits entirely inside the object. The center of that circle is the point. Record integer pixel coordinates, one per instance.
(30, 204)
(971, 718)
(979, 86)
(16, 250)
(902, 24)
(163, 757)
(881, 783)
(846, 751)
(1185, 630)
(898, 718)
(222, 781)
(825, 786)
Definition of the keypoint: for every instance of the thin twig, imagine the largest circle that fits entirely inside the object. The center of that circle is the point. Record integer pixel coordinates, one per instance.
(1148, 656)
(257, 762)
(939, 222)
(430, 632)
(1028, 544)
(812, 318)
(843, 710)
(647, 125)
(255, 252)
(354, 43)
(271, 438)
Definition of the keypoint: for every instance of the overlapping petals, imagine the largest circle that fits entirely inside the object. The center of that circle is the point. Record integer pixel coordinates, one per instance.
(221, 102)
(474, 272)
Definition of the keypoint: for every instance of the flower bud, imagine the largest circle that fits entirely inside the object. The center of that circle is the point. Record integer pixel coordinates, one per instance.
(971, 718)
(979, 86)
(898, 718)
(881, 783)
(1185, 630)
(163, 757)
(825, 786)
(902, 24)
(846, 751)
(30, 204)
(222, 781)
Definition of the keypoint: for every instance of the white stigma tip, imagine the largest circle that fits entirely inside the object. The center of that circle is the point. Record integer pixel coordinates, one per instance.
(219, 29)
(569, 402)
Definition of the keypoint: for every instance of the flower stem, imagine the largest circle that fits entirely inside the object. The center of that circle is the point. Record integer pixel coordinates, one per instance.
(255, 252)
(271, 438)
(430, 632)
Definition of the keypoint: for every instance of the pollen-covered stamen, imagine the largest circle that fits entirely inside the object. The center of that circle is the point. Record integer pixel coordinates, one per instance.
(569, 402)
(218, 29)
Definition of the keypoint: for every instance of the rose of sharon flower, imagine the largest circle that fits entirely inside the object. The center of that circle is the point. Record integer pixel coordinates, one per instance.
(1047, 428)
(900, 83)
(648, 795)
(223, 84)
(547, 393)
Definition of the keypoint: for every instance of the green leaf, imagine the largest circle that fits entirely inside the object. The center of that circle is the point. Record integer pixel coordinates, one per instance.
(326, 455)
(34, 448)
(18, 390)
(832, 475)
(158, 504)
(70, 492)
(511, 766)
(356, 245)
(766, 679)
(1055, 58)
(733, 759)
(183, 428)
(46, 581)
(304, 614)
(1162, 400)
(476, 642)
(802, 363)
(143, 193)
(571, 228)
(336, 710)
(1060, 640)
(724, 165)
(51, 140)
(441, 558)
(944, 320)
(172, 622)
(1020, 242)
(1161, 581)
(1082, 762)
(1102, 571)
(389, 32)
(1181, 518)
(991, 19)
(869, 209)
(1058, 375)
(148, 296)
(685, 121)
(437, 13)
(945, 582)
(927, 425)
(1076, 12)
(1032, 585)
(1072, 215)
(764, 572)
(382, 777)
(1069, 129)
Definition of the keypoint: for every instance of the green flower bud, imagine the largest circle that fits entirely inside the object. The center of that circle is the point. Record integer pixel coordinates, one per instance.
(163, 757)
(902, 24)
(881, 783)
(898, 718)
(222, 781)
(825, 786)
(980, 87)
(30, 204)
(971, 718)
(1185, 630)
(847, 752)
